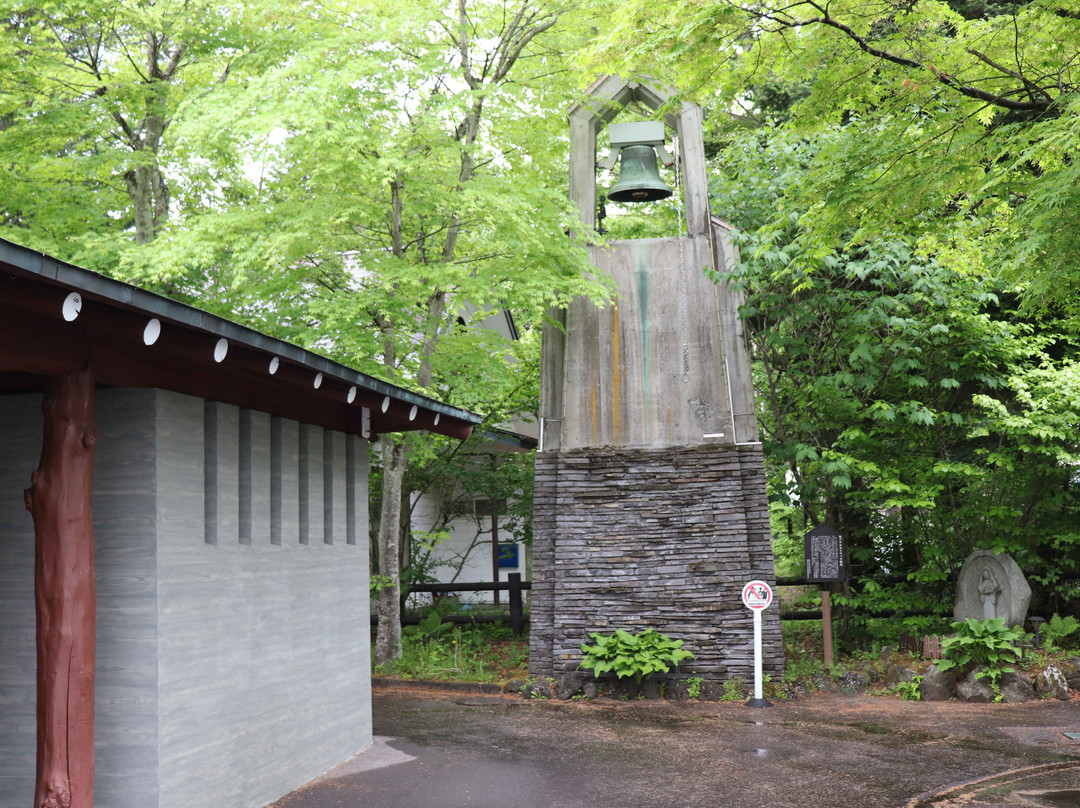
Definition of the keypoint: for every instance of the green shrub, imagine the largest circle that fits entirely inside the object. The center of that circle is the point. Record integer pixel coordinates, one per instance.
(987, 643)
(693, 687)
(733, 690)
(633, 655)
(1056, 629)
(909, 691)
(429, 627)
(436, 650)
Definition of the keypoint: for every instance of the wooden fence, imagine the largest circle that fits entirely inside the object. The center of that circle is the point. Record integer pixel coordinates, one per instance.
(518, 619)
(513, 585)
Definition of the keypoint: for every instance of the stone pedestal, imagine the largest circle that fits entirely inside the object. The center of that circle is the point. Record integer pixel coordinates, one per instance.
(661, 538)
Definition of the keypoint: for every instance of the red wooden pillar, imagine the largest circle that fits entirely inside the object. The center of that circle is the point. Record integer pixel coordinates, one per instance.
(65, 594)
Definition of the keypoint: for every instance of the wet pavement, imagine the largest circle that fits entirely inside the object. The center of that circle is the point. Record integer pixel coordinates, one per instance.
(476, 751)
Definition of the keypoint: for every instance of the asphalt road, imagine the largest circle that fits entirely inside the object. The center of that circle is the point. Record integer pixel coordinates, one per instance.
(472, 751)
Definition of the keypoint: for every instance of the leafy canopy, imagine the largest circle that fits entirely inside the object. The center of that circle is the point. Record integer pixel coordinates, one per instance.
(953, 123)
(404, 181)
(903, 395)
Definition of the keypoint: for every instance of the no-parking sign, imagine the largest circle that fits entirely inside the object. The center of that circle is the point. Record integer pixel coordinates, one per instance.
(757, 595)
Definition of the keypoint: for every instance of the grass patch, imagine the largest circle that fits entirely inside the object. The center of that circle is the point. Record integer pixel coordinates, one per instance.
(442, 652)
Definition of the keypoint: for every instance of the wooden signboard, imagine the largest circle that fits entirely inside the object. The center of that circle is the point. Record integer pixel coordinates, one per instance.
(826, 560)
(826, 563)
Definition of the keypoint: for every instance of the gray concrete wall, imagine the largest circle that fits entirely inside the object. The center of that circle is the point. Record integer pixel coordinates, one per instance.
(126, 730)
(665, 365)
(229, 673)
(20, 447)
(736, 364)
(648, 370)
(126, 692)
(264, 665)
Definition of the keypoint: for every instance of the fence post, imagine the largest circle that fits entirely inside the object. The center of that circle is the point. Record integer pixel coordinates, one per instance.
(516, 613)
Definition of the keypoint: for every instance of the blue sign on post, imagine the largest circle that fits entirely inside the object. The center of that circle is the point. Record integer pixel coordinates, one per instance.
(508, 556)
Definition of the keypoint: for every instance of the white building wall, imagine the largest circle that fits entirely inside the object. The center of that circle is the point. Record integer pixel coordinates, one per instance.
(448, 554)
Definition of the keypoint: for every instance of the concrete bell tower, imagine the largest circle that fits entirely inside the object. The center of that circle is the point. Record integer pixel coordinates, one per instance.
(650, 503)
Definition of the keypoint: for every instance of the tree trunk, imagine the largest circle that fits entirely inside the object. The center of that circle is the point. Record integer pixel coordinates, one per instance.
(140, 189)
(516, 34)
(145, 182)
(65, 594)
(388, 639)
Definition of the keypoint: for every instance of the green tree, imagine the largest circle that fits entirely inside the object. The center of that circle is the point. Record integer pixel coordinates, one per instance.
(88, 95)
(904, 398)
(404, 174)
(961, 118)
(458, 474)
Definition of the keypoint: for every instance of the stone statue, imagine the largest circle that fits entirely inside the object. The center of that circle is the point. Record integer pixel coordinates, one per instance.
(989, 590)
(992, 585)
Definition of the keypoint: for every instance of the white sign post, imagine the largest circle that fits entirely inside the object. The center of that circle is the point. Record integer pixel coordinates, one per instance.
(756, 596)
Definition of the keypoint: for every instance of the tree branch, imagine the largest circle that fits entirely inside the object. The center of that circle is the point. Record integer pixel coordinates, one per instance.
(998, 100)
(1031, 88)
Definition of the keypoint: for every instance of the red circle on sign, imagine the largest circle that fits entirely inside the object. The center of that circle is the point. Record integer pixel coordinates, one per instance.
(757, 595)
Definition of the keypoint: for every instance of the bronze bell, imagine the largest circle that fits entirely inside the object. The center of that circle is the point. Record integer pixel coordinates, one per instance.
(639, 177)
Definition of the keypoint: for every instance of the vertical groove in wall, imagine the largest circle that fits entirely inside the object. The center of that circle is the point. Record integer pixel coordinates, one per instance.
(275, 480)
(350, 489)
(210, 472)
(305, 484)
(328, 487)
(245, 477)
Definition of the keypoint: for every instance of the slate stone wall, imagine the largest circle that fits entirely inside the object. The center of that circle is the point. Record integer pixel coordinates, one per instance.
(661, 538)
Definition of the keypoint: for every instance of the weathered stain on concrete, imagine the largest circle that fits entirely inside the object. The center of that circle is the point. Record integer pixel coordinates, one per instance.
(592, 405)
(641, 275)
(616, 382)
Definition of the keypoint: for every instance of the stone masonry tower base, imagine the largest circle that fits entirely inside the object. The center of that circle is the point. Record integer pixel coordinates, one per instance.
(661, 538)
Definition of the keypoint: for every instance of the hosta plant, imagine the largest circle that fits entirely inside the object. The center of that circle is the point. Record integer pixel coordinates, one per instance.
(987, 643)
(633, 655)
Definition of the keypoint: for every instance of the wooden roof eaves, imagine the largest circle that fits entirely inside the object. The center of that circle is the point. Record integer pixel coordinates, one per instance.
(24, 262)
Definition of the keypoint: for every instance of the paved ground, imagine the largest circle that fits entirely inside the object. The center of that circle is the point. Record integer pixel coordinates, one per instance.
(475, 751)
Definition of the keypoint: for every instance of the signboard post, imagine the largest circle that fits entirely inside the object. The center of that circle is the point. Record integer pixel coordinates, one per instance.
(756, 596)
(826, 563)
